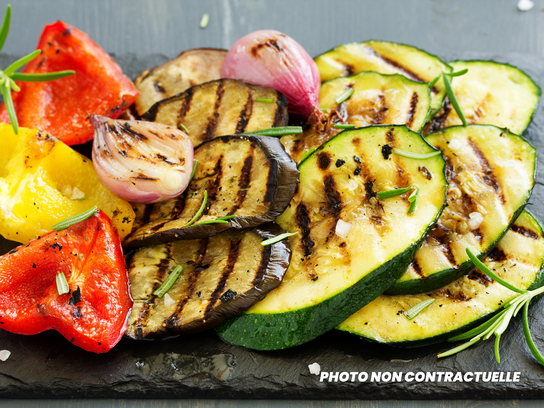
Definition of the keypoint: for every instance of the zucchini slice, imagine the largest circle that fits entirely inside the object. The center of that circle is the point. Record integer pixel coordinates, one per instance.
(377, 99)
(490, 172)
(490, 93)
(222, 107)
(462, 304)
(190, 68)
(249, 177)
(386, 58)
(222, 276)
(350, 246)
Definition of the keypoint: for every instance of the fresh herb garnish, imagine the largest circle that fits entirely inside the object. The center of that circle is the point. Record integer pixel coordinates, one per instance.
(413, 200)
(183, 127)
(498, 323)
(344, 96)
(340, 126)
(9, 76)
(62, 284)
(200, 210)
(417, 309)
(75, 219)
(204, 20)
(412, 155)
(393, 193)
(264, 100)
(220, 220)
(277, 238)
(307, 153)
(449, 91)
(193, 171)
(277, 131)
(168, 282)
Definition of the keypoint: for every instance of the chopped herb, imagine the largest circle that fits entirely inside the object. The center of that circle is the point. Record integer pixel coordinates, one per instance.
(278, 238)
(451, 94)
(184, 128)
(412, 155)
(393, 193)
(339, 126)
(417, 309)
(62, 284)
(216, 221)
(307, 153)
(75, 219)
(80, 199)
(264, 100)
(204, 20)
(277, 132)
(195, 164)
(413, 200)
(200, 210)
(344, 96)
(168, 282)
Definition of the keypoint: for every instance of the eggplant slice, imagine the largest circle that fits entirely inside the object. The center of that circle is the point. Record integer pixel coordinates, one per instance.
(222, 276)
(223, 107)
(247, 176)
(190, 68)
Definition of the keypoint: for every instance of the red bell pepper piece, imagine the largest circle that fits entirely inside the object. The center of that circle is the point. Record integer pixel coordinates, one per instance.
(62, 107)
(94, 314)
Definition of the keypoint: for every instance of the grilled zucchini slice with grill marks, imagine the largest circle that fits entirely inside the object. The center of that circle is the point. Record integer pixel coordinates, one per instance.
(222, 276)
(377, 99)
(386, 58)
(491, 173)
(222, 107)
(247, 177)
(490, 93)
(462, 304)
(190, 68)
(333, 271)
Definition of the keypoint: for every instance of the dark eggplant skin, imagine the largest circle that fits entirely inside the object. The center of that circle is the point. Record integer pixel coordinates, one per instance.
(281, 184)
(272, 267)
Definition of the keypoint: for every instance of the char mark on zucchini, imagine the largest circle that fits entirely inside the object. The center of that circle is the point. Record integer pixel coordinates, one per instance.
(412, 111)
(378, 117)
(303, 222)
(323, 160)
(519, 229)
(334, 201)
(488, 176)
(417, 268)
(212, 123)
(480, 277)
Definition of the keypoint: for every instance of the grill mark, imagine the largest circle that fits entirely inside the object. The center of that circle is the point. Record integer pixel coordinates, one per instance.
(518, 229)
(459, 296)
(245, 115)
(379, 115)
(143, 315)
(498, 255)
(193, 278)
(412, 111)
(234, 251)
(186, 105)
(489, 177)
(158, 87)
(417, 268)
(265, 258)
(243, 182)
(349, 69)
(440, 118)
(179, 206)
(279, 118)
(479, 277)
(323, 160)
(148, 212)
(157, 227)
(271, 183)
(212, 122)
(446, 249)
(390, 137)
(213, 188)
(303, 222)
(332, 195)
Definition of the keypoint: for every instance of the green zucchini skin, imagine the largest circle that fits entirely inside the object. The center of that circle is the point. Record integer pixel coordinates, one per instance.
(284, 319)
(432, 278)
(383, 305)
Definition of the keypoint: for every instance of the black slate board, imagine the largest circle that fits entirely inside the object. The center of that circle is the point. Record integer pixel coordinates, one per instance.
(201, 366)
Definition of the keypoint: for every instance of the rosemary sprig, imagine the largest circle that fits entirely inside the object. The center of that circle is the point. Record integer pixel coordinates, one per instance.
(412, 199)
(75, 219)
(449, 91)
(9, 76)
(200, 210)
(393, 193)
(277, 131)
(264, 100)
(344, 96)
(417, 309)
(498, 323)
(277, 238)
(220, 220)
(193, 171)
(340, 126)
(183, 127)
(168, 282)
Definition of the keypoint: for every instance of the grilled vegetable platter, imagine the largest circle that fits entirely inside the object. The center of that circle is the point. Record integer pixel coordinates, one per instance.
(375, 195)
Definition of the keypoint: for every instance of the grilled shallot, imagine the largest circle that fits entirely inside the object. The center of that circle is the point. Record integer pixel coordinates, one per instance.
(142, 162)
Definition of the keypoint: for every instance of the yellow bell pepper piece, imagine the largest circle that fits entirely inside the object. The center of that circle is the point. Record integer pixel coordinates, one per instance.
(43, 181)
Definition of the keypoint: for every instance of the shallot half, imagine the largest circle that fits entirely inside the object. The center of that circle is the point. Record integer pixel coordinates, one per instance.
(142, 162)
(272, 59)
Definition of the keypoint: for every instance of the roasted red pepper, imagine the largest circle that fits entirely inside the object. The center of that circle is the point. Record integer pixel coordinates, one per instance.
(94, 314)
(62, 107)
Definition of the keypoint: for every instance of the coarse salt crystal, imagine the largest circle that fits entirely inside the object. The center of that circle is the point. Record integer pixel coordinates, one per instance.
(314, 368)
(4, 355)
(455, 144)
(525, 5)
(343, 228)
(168, 300)
(475, 220)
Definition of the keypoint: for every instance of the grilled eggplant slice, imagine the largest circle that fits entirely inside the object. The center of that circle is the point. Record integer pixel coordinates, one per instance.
(491, 175)
(377, 99)
(222, 276)
(246, 176)
(223, 107)
(386, 58)
(490, 93)
(334, 270)
(462, 304)
(190, 68)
